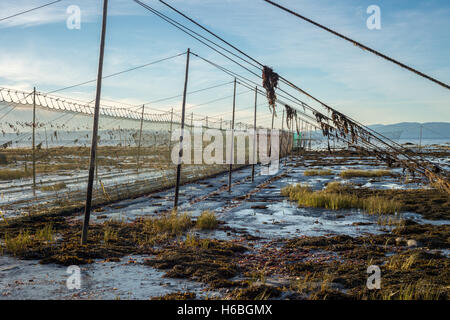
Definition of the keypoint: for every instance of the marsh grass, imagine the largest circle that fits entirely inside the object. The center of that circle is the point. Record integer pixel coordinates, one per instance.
(110, 234)
(420, 290)
(402, 262)
(24, 239)
(172, 223)
(55, 187)
(315, 286)
(207, 221)
(334, 198)
(380, 205)
(19, 243)
(195, 242)
(315, 172)
(45, 234)
(7, 174)
(365, 173)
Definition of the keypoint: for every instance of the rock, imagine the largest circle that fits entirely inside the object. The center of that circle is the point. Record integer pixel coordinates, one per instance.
(411, 243)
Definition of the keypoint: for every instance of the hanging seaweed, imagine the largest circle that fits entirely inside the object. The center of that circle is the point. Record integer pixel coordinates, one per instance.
(6, 145)
(290, 114)
(296, 125)
(270, 83)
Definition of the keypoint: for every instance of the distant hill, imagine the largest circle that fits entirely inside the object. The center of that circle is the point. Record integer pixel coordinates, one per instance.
(411, 130)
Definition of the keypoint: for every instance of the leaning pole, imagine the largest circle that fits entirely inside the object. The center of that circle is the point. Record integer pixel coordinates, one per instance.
(87, 211)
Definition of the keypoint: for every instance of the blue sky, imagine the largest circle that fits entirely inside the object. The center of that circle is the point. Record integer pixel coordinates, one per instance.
(39, 50)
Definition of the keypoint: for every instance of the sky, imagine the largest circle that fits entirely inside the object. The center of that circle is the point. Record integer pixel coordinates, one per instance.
(39, 50)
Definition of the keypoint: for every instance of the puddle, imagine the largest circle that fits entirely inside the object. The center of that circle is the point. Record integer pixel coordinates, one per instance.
(108, 280)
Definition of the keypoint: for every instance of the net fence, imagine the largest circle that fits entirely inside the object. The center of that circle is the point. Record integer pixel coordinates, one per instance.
(137, 150)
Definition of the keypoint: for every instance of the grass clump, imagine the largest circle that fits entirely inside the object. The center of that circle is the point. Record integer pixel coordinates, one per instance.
(7, 174)
(315, 172)
(24, 240)
(380, 205)
(207, 221)
(403, 262)
(55, 187)
(194, 242)
(172, 223)
(335, 197)
(45, 234)
(365, 173)
(19, 243)
(421, 290)
(110, 234)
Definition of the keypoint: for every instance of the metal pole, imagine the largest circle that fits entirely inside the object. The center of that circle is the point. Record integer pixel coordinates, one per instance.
(232, 138)
(87, 211)
(183, 111)
(140, 137)
(34, 141)
(255, 140)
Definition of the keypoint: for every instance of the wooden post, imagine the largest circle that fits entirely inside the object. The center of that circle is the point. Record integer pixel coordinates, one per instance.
(183, 111)
(292, 140)
(192, 120)
(140, 137)
(310, 130)
(87, 211)
(96, 168)
(301, 134)
(170, 132)
(270, 140)
(34, 141)
(420, 138)
(255, 139)
(232, 138)
(46, 140)
(282, 137)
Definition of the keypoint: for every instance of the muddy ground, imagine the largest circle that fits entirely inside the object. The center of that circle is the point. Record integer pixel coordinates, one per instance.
(264, 247)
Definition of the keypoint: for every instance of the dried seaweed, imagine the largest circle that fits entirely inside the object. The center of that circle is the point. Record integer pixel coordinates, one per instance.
(270, 83)
(290, 115)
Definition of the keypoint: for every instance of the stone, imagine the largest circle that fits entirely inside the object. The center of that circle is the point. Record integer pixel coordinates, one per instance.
(411, 243)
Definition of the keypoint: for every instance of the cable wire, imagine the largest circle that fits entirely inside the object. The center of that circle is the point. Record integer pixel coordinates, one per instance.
(362, 46)
(29, 10)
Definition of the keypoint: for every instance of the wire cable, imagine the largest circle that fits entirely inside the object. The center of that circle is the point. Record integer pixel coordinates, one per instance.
(32, 9)
(362, 46)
